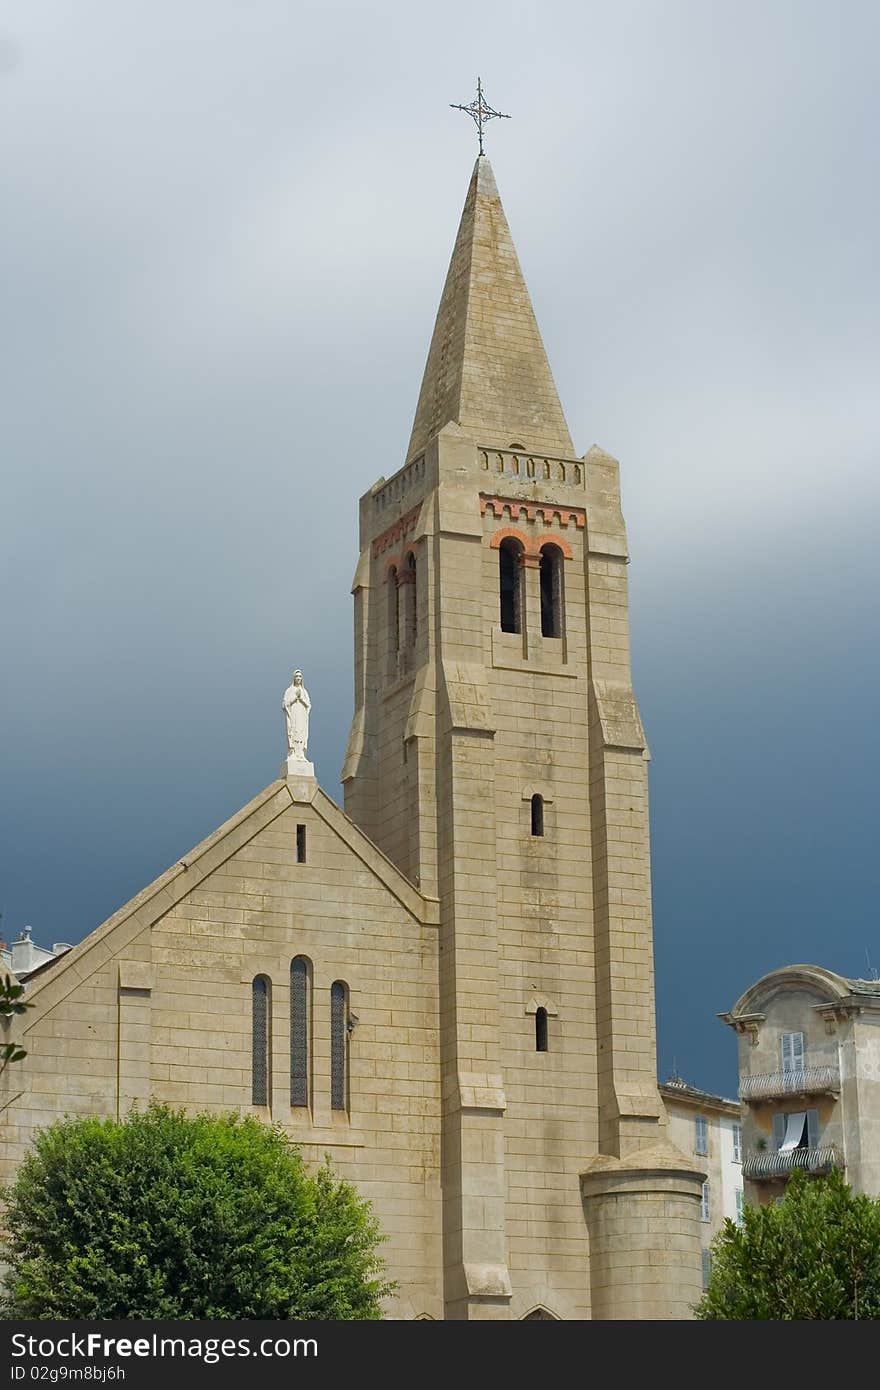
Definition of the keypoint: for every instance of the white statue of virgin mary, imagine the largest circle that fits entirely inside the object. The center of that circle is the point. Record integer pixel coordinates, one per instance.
(296, 705)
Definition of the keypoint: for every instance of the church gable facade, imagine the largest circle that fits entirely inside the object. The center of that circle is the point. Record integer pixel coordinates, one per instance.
(283, 968)
(448, 987)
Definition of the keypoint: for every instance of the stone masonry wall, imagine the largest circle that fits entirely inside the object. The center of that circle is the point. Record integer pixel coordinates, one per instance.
(159, 1004)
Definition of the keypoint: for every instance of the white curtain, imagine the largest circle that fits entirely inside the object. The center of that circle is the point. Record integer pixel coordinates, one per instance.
(794, 1130)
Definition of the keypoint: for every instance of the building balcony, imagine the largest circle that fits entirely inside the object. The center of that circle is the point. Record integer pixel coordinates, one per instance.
(810, 1081)
(764, 1166)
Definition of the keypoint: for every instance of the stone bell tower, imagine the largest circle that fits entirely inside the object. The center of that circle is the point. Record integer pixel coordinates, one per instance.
(497, 757)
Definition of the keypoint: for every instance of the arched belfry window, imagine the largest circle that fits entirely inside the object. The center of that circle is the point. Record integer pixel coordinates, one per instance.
(393, 613)
(412, 609)
(551, 591)
(260, 1041)
(338, 1046)
(537, 814)
(510, 580)
(299, 1031)
(541, 1030)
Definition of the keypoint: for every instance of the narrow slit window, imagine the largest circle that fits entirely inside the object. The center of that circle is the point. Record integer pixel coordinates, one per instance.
(551, 591)
(299, 1032)
(393, 614)
(541, 1030)
(260, 1041)
(510, 582)
(412, 608)
(338, 1046)
(537, 814)
(300, 844)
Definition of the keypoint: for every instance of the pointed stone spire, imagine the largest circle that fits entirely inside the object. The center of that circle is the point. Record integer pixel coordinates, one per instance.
(487, 369)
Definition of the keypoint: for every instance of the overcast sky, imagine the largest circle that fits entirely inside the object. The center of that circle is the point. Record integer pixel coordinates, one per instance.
(225, 229)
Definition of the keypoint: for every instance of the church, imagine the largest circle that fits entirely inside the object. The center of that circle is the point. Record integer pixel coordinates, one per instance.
(448, 986)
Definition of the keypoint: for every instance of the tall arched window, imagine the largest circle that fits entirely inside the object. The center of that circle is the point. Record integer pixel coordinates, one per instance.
(510, 580)
(412, 610)
(299, 1031)
(551, 591)
(541, 1030)
(338, 1046)
(393, 617)
(260, 1041)
(537, 814)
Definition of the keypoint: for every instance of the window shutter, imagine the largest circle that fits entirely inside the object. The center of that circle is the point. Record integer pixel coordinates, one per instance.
(701, 1135)
(778, 1130)
(812, 1129)
(792, 1052)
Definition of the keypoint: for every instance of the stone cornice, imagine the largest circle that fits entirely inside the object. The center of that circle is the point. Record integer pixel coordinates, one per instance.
(747, 1024)
(401, 528)
(547, 511)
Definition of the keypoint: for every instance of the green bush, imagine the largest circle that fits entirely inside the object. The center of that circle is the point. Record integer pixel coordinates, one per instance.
(168, 1215)
(815, 1254)
(11, 1004)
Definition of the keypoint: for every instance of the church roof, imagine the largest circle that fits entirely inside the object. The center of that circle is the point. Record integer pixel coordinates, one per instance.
(678, 1089)
(144, 910)
(487, 369)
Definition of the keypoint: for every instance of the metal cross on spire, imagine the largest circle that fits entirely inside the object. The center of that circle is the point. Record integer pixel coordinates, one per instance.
(480, 112)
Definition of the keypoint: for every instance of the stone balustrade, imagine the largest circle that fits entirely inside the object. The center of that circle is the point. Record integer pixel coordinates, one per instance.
(513, 463)
(402, 483)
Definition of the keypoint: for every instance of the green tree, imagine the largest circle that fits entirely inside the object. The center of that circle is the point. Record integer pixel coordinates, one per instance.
(815, 1254)
(11, 1003)
(167, 1215)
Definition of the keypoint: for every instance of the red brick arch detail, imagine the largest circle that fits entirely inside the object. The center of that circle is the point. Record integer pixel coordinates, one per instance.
(509, 531)
(394, 562)
(550, 539)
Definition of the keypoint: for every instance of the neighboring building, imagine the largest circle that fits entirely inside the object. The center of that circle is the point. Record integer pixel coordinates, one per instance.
(24, 956)
(809, 1068)
(450, 988)
(710, 1128)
